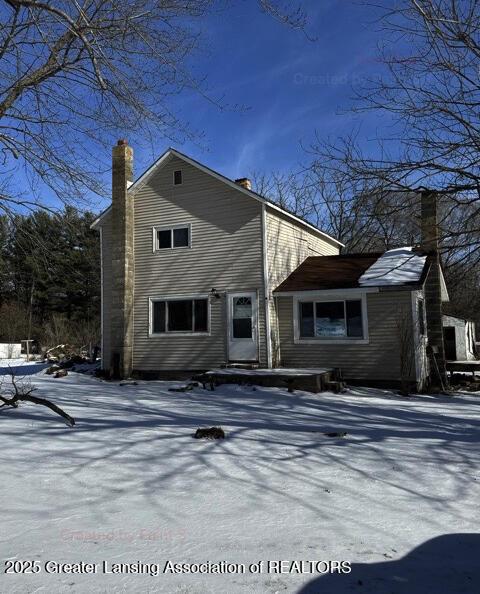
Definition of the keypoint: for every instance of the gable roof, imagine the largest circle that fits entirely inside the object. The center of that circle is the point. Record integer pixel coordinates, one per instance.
(169, 153)
(401, 267)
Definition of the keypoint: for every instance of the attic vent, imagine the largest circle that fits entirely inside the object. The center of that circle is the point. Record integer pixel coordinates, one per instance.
(244, 182)
(177, 177)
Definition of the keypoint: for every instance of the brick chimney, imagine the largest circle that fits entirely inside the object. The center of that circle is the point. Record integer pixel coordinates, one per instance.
(244, 182)
(121, 314)
(433, 287)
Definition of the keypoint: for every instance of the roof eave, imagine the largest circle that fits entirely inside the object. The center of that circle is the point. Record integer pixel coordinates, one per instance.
(338, 290)
(97, 222)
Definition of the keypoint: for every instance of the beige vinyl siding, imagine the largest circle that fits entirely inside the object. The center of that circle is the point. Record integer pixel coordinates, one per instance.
(377, 360)
(288, 245)
(226, 254)
(106, 288)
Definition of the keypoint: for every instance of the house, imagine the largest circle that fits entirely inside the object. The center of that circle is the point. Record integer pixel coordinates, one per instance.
(199, 271)
(187, 259)
(363, 313)
(459, 339)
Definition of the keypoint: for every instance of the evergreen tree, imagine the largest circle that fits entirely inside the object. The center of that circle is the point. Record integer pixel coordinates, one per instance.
(50, 266)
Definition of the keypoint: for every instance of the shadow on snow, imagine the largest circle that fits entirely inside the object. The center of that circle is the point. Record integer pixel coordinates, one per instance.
(446, 564)
(147, 431)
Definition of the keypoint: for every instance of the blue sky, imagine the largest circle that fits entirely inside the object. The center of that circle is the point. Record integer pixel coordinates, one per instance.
(288, 87)
(277, 88)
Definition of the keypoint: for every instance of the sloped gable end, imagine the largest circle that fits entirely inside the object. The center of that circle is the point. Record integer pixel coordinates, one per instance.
(170, 153)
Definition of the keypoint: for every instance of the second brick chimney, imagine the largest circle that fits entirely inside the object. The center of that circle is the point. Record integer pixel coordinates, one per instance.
(121, 314)
(433, 285)
(244, 182)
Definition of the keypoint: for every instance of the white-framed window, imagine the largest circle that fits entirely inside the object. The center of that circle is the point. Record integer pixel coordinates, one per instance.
(172, 237)
(177, 177)
(331, 319)
(179, 315)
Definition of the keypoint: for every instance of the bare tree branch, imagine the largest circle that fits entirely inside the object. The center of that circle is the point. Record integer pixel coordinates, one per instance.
(77, 73)
(23, 393)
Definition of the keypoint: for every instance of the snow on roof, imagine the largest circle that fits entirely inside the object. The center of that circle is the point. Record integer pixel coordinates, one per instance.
(394, 267)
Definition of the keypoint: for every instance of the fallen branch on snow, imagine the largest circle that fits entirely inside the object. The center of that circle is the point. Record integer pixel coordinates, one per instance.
(23, 393)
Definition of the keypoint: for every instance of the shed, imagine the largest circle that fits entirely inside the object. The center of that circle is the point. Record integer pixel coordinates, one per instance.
(10, 350)
(459, 339)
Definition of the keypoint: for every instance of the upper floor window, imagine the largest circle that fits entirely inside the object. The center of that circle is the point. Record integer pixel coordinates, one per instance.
(331, 319)
(176, 236)
(177, 177)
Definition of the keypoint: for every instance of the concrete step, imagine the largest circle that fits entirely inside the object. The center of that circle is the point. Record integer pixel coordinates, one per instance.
(335, 386)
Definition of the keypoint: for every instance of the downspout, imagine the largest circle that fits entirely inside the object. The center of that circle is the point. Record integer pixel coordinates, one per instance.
(266, 288)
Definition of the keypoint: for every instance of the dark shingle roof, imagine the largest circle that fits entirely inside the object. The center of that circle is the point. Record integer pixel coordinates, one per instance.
(334, 272)
(328, 272)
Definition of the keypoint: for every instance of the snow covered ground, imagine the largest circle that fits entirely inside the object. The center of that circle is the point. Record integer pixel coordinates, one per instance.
(129, 484)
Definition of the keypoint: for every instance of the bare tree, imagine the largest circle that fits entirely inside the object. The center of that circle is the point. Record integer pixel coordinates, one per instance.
(432, 91)
(361, 215)
(292, 191)
(76, 72)
(78, 335)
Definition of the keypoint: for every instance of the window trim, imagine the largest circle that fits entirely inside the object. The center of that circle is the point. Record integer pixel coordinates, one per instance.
(173, 177)
(171, 228)
(323, 298)
(190, 297)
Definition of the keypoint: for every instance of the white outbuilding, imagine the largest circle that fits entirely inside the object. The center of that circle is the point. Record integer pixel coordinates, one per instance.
(459, 339)
(10, 350)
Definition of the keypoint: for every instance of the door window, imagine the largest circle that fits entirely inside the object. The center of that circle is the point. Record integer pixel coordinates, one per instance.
(242, 317)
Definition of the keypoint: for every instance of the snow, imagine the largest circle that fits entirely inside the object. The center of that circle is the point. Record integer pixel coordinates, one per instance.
(470, 362)
(282, 371)
(394, 267)
(129, 484)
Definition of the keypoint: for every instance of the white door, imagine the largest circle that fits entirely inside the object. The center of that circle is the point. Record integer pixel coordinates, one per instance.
(242, 327)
